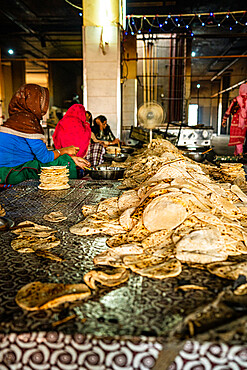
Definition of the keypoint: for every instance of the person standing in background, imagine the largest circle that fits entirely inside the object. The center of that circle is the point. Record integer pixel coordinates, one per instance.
(238, 110)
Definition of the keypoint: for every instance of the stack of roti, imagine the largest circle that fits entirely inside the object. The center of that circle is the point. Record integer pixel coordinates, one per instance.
(54, 178)
(113, 150)
(231, 171)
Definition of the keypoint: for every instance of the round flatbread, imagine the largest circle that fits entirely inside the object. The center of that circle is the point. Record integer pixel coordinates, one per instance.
(55, 217)
(30, 244)
(228, 270)
(41, 296)
(201, 246)
(153, 267)
(161, 213)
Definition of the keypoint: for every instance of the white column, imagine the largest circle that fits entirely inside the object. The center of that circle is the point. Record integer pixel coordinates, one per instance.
(101, 60)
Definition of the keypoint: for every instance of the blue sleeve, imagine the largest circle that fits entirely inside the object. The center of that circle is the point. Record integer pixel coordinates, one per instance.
(40, 150)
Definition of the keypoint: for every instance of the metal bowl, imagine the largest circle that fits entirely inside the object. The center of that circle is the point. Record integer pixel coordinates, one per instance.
(106, 173)
(127, 149)
(6, 223)
(196, 156)
(117, 158)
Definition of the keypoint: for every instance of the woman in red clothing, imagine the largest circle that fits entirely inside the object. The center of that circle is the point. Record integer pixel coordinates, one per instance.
(238, 109)
(73, 129)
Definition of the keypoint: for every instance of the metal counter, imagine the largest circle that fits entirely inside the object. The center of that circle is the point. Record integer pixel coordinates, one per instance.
(142, 306)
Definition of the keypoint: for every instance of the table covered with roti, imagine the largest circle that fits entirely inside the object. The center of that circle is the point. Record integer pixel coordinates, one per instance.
(146, 272)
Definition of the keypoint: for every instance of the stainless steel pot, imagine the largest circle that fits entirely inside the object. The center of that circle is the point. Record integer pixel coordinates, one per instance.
(106, 173)
(196, 156)
(126, 149)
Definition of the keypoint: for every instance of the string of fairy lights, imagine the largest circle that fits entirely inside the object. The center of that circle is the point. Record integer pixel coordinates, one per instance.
(228, 21)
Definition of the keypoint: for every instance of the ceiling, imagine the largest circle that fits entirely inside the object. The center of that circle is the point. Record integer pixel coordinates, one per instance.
(52, 29)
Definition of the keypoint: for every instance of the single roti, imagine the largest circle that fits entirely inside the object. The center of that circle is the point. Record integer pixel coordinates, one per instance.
(41, 296)
(109, 278)
(55, 217)
(30, 244)
(228, 270)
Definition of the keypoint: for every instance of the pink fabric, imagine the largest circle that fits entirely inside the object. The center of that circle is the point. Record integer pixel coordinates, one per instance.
(242, 101)
(73, 129)
(238, 149)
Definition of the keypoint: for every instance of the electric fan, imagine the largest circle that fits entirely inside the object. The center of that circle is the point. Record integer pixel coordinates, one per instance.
(150, 115)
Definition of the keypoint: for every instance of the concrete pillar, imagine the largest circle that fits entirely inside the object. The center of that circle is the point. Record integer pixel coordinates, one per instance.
(18, 74)
(101, 60)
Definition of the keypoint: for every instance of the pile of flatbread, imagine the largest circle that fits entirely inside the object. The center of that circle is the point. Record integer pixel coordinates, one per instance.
(231, 171)
(54, 178)
(176, 215)
(32, 238)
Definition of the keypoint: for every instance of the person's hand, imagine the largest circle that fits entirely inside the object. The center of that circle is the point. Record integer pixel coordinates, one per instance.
(71, 150)
(81, 162)
(105, 144)
(223, 123)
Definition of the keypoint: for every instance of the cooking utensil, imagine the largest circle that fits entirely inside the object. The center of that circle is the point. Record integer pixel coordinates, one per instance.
(196, 156)
(127, 150)
(107, 173)
(206, 151)
(117, 158)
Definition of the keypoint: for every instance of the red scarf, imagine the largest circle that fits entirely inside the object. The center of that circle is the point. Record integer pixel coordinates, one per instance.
(73, 129)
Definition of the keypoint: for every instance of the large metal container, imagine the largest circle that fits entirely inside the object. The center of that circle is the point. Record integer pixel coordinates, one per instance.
(106, 173)
(117, 158)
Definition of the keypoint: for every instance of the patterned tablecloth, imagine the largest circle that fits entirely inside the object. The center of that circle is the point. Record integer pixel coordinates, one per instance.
(117, 328)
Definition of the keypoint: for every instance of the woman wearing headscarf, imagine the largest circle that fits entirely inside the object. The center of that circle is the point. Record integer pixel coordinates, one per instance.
(238, 109)
(22, 142)
(73, 129)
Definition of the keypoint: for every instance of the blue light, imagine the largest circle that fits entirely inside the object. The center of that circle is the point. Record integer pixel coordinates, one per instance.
(203, 24)
(166, 22)
(211, 14)
(192, 34)
(218, 24)
(178, 24)
(236, 22)
(169, 16)
(149, 30)
(132, 33)
(193, 54)
(133, 22)
(227, 16)
(161, 25)
(186, 26)
(126, 33)
(230, 28)
(176, 19)
(11, 51)
(139, 31)
(80, 14)
(198, 86)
